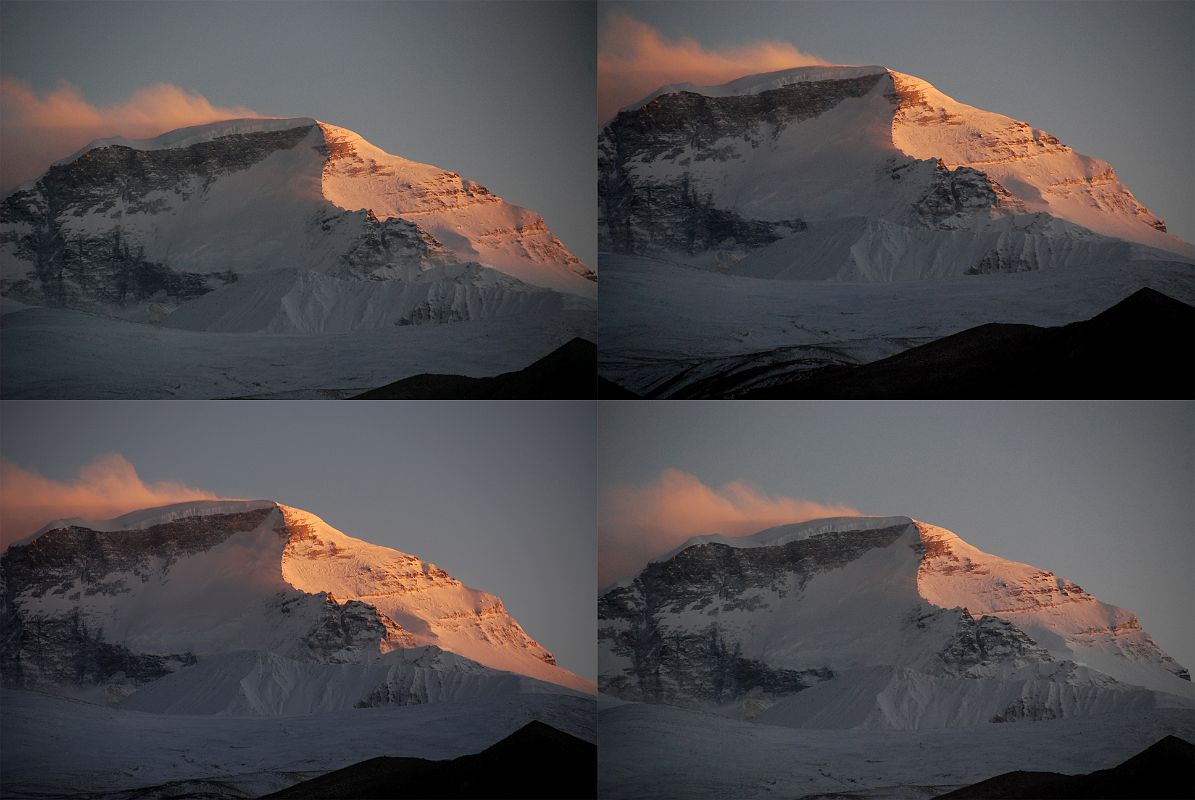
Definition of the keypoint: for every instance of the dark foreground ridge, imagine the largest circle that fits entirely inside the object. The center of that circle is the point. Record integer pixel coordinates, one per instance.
(567, 373)
(536, 761)
(1142, 347)
(1164, 770)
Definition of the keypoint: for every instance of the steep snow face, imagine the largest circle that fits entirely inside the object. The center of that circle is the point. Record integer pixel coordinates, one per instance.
(435, 608)
(855, 173)
(101, 608)
(139, 228)
(471, 222)
(1055, 612)
(887, 616)
(1040, 171)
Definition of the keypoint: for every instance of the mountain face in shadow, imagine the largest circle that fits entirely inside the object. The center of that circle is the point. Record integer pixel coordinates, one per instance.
(536, 761)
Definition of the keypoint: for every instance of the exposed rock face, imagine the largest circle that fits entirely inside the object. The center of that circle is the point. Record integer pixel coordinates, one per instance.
(53, 631)
(93, 266)
(707, 663)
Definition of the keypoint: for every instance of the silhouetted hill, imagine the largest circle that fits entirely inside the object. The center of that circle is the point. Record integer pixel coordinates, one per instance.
(567, 373)
(1142, 347)
(536, 761)
(1162, 771)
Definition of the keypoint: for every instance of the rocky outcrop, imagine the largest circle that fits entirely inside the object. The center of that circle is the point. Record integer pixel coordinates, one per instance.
(78, 263)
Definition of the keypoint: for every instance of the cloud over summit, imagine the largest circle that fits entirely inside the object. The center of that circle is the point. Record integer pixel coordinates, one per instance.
(41, 128)
(634, 60)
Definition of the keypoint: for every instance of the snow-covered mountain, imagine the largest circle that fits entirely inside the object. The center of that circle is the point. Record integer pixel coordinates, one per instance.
(873, 622)
(857, 174)
(276, 225)
(251, 607)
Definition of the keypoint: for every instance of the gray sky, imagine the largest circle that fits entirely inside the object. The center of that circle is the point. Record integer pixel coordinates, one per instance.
(1111, 79)
(501, 495)
(1097, 492)
(501, 92)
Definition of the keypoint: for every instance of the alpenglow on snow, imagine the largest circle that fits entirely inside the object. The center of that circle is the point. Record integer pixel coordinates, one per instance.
(857, 174)
(276, 225)
(252, 607)
(873, 622)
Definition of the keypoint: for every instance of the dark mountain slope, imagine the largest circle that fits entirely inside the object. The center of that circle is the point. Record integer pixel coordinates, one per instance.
(567, 373)
(1142, 347)
(536, 761)
(1164, 770)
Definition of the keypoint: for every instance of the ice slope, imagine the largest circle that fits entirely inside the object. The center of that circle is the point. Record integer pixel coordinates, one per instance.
(649, 751)
(897, 698)
(54, 747)
(891, 618)
(257, 683)
(708, 175)
(856, 249)
(290, 301)
(121, 603)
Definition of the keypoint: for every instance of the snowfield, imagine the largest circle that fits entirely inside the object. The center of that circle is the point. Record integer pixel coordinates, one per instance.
(50, 353)
(56, 747)
(664, 326)
(647, 752)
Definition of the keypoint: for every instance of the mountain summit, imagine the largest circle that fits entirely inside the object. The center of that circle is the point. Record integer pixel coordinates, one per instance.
(881, 622)
(857, 173)
(251, 607)
(277, 225)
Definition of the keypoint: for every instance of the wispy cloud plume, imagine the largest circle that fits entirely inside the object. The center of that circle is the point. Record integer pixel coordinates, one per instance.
(634, 60)
(39, 129)
(638, 523)
(106, 488)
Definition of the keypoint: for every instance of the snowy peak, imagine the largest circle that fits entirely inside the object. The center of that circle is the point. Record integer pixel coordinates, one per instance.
(811, 611)
(857, 173)
(140, 228)
(163, 588)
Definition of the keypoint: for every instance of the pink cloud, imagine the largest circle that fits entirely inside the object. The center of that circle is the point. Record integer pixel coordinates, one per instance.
(638, 523)
(634, 60)
(106, 488)
(40, 129)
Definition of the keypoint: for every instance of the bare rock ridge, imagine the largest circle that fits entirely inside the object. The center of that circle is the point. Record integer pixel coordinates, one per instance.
(303, 210)
(873, 622)
(218, 606)
(859, 174)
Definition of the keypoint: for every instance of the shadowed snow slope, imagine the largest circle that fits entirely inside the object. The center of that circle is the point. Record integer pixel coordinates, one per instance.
(99, 609)
(884, 622)
(860, 174)
(139, 228)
